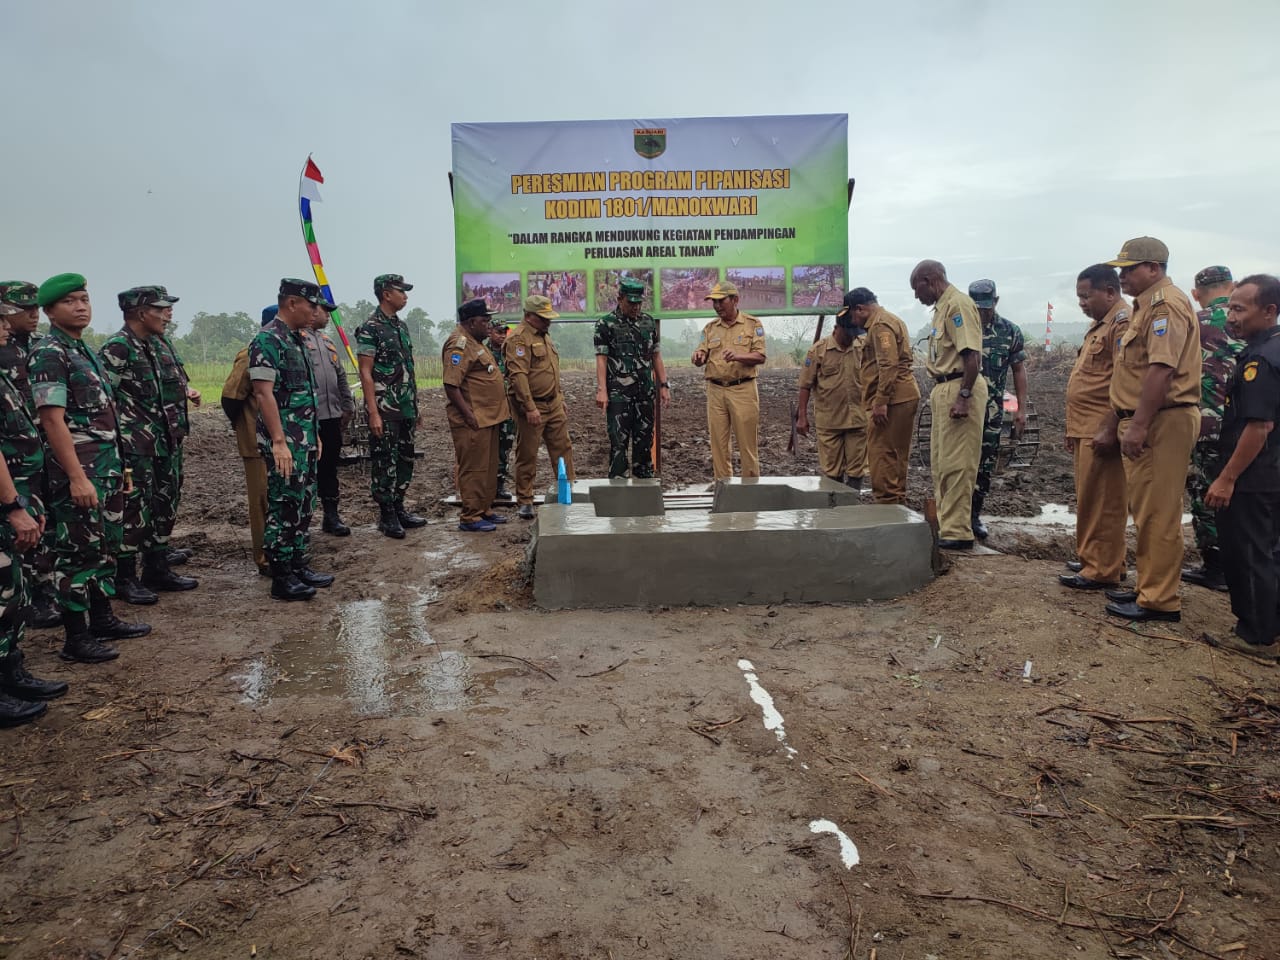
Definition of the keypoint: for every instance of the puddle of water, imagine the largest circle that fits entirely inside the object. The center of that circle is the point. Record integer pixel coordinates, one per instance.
(772, 718)
(1052, 515)
(848, 850)
(376, 654)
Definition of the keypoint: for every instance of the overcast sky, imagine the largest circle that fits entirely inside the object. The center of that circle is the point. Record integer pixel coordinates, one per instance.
(160, 142)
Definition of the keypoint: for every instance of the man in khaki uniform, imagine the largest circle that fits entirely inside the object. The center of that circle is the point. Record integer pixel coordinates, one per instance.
(889, 392)
(533, 374)
(241, 408)
(731, 349)
(958, 401)
(1155, 396)
(832, 373)
(1101, 508)
(477, 408)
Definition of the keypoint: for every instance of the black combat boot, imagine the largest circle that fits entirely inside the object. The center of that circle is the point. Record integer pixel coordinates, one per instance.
(128, 588)
(302, 570)
(332, 522)
(853, 483)
(503, 493)
(409, 520)
(975, 521)
(389, 522)
(1209, 575)
(179, 555)
(17, 681)
(157, 574)
(44, 612)
(285, 584)
(105, 625)
(79, 646)
(14, 711)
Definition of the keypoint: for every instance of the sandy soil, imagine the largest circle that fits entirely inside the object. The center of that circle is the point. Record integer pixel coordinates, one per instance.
(419, 764)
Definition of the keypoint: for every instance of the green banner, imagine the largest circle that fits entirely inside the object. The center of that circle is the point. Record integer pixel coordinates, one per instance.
(566, 209)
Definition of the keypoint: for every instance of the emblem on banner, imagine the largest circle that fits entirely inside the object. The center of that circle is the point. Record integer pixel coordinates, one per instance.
(650, 142)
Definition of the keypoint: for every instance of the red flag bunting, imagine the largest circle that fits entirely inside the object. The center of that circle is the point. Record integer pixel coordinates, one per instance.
(313, 172)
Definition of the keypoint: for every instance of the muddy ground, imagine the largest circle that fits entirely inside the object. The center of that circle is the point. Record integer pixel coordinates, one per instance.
(418, 764)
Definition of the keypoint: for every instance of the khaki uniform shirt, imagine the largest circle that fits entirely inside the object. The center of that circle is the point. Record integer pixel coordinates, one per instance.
(238, 387)
(1089, 386)
(833, 374)
(1163, 330)
(887, 360)
(957, 326)
(744, 335)
(533, 367)
(470, 366)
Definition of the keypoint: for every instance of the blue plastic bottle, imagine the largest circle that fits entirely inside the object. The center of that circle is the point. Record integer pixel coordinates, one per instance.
(563, 492)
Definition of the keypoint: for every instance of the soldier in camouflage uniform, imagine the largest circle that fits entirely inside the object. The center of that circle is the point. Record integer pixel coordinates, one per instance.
(148, 443)
(1003, 349)
(1218, 351)
(288, 436)
(507, 429)
(176, 392)
(390, 386)
(22, 519)
(86, 500)
(628, 360)
(37, 563)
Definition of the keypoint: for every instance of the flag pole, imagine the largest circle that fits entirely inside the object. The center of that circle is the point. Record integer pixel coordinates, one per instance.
(305, 197)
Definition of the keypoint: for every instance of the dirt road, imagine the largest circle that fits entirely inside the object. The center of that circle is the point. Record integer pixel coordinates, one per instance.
(418, 764)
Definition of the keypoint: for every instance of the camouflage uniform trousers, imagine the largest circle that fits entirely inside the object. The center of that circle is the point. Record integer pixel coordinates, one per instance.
(14, 594)
(139, 515)
(506, 440)
(1206, 463)
(629, 420)
(290, 503)
(166, 496)
(992, 426)
(391, 462)
(37, 563)
(86, 543)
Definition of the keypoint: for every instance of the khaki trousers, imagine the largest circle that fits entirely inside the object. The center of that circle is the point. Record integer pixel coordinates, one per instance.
(1101, 512)
(554, 433)
(734, 409)
(477, 455)
(842, 453)
(954, 449)
(255, 481)
(889, 451)
(1155, 483)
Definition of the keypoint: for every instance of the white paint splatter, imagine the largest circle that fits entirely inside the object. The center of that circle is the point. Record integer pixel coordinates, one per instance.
(772, 718)
(848, 851)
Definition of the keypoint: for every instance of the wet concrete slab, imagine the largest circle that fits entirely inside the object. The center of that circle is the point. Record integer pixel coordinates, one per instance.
(739, 494)
(617, 497)
(832, 554)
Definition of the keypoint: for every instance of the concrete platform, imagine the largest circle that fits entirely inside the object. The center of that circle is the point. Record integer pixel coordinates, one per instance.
(737, 494)
(618, 497)
(823, 554)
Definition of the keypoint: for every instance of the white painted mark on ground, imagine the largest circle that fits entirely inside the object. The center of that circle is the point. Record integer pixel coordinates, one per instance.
(772, 718)
(848, 850)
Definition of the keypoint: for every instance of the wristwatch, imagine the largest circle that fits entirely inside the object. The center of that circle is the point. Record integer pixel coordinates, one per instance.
(17, 503)
(966, 392)
(665, 385)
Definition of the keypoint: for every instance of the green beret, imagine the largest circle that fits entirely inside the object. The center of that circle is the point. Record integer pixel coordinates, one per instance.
(55, 288)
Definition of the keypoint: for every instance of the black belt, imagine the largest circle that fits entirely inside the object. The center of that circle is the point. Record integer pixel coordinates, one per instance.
(948, 377)
(546, 399)
(729, 383)
(1128, 414)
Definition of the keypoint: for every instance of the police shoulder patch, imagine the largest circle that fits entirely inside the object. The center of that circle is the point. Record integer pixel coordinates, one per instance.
(958, 320)
(455, 358)
(759, 331)
(1250, 371)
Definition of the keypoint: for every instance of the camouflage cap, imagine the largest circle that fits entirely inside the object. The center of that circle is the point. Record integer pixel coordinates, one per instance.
(58, 286)
(474, 308)
(1208, 277)
(983, 293)
(326, 306)
(383, 280)
(9, 309)
(145, 297)
(857, 297)
(721, 290)
(305, 289)
(1140, 250)
(19, 293)
(540, 306)
(630, 289)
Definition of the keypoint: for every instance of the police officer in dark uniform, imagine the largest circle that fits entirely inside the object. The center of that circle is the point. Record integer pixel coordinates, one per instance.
(1246, 493)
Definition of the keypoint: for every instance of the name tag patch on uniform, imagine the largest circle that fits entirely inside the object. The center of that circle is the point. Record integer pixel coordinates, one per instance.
(1160, 327)
(958, 320)
(1250, 371)
(455, 358)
